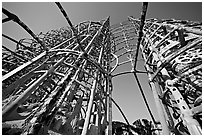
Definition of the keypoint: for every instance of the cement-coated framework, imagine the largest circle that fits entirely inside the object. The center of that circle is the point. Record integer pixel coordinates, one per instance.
(61, 82)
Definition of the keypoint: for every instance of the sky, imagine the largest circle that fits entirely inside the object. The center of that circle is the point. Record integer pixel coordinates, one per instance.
(45, 16)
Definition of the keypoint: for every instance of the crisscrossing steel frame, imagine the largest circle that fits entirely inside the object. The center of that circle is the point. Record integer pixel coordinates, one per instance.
(61, 81)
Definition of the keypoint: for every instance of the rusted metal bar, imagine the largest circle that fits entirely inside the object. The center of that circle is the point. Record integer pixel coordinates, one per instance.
(6, 20)
(17, 20)
(126, 120)
(70, 23)
(145, 100)
(142, 21)
(109, 105)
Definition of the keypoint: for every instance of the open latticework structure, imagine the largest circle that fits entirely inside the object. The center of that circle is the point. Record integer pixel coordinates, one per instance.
(60, 82)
